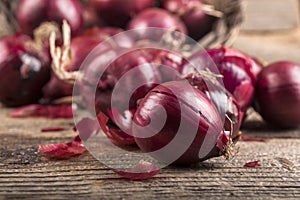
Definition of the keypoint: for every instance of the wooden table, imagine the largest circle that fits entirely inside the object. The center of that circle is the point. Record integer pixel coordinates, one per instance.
(24, 173)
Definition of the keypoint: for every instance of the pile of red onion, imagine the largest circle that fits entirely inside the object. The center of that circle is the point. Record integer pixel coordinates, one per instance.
(201, 97)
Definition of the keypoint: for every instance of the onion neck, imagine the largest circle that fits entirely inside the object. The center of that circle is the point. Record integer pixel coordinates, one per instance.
(207, 74)
(40, 37)
(43, 32)
(229, 150)
(61, 56)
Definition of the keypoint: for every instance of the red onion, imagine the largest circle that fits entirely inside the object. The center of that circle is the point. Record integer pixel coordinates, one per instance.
(238, 69)
(194, 16)
(198, 23)
(114, 72)
(223, 100)
(119, 12)
(114, 123)
(159, 18)
(277, 94)
(186, 106)
(27, 66)
(79, 48)
(31, 13)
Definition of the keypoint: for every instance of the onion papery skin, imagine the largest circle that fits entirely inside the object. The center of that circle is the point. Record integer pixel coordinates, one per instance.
(165, 95)
(30, 14)
(278, 94)
(23, 72)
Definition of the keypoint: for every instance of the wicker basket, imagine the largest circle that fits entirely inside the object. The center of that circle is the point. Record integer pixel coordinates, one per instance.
(224, 31)
(227, 26)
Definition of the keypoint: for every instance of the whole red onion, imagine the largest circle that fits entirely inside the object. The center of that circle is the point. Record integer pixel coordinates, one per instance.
(24, 70)
(277, 94)
(239, 71)
(194, 16)
(121, 76)
(159, 18)
(198, 23)
(119, 12)
(170, 67)
(31, 13)
(116, 70)
(185, 107)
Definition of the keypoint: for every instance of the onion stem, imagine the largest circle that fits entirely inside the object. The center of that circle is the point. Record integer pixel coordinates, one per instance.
(229, 148)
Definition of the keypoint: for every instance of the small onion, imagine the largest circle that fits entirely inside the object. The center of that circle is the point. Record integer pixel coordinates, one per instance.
(278, 94)
(192, 13)
(198, 23)
(30, 14)
(115, 121)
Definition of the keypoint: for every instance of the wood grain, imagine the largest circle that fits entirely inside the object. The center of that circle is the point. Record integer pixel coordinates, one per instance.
(26, 174)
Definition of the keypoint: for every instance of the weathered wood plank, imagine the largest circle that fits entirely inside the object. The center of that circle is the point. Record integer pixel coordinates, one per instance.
(25, 173)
